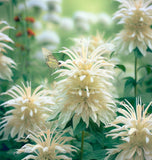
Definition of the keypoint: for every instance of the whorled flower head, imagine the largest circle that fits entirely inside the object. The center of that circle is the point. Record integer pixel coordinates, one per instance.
(30, 110)
(49, 145)
(96, 41)
(5, 62)
(135, 129)
(84, 93)
(136, 16)
(4, 38)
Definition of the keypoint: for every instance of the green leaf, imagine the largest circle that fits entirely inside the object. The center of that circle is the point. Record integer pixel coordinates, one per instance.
(14, 2)
(111, 55)
(147, 67)
(129, 84)
(130, 81)
(137, 53)
(148, 49)
(140, 81)
(97, 131)
(80, 127)
(120, 66)
(98, 154)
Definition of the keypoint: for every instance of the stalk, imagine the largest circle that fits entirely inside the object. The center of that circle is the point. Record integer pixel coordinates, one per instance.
(135, 74)
(82, 143)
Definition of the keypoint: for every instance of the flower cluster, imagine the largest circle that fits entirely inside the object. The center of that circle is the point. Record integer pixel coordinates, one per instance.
(135, 130)
(5, 62)
(30, 110)
(136, 17)
(48, 145)
(84, 93)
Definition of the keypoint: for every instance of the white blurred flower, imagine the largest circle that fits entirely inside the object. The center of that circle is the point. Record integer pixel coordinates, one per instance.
(49, 39)
(54, 6)
(81, 16)
(134, 127)
(82, 26)
(136, 17)
(92, 18)
(83, 20)
(49, 145)
(67, 24)
(52, 17)
(84, 91)
(30, 110)
(39, 4)
(104, 19)
(37, 25)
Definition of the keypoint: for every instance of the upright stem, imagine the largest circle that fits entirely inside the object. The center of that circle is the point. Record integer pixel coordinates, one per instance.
(135, 70)
(82, 142)
(27, 44)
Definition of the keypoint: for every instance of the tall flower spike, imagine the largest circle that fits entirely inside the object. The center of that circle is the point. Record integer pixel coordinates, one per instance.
(84, 93)
(29, 110)
(136, 17)
(5, 62)
(48, 145)
(135, 129)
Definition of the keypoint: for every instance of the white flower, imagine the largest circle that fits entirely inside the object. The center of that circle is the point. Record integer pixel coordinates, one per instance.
(85, 27)
(37, 25)
(5, 38)
(40, 4)
(136, 17)
(5, 62)
(30, 110)
(104, 19)
(49, 38)
(52, 17)
(54, 6)
(67, 24)
(135, 130)
(84, 91)
(49, 145)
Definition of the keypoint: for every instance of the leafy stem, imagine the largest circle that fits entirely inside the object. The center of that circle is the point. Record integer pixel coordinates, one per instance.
(135, 72)
(82, 143)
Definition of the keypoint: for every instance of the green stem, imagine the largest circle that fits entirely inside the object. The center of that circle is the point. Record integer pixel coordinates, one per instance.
(135, 70)
(82, 143)
(27, 45)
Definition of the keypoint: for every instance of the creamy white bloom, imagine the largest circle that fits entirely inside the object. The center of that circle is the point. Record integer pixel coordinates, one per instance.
(96, 41)
(6, 63)
(84, 93)
(49, 145)
(135, 130)
(136, 17)
(30, 110)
